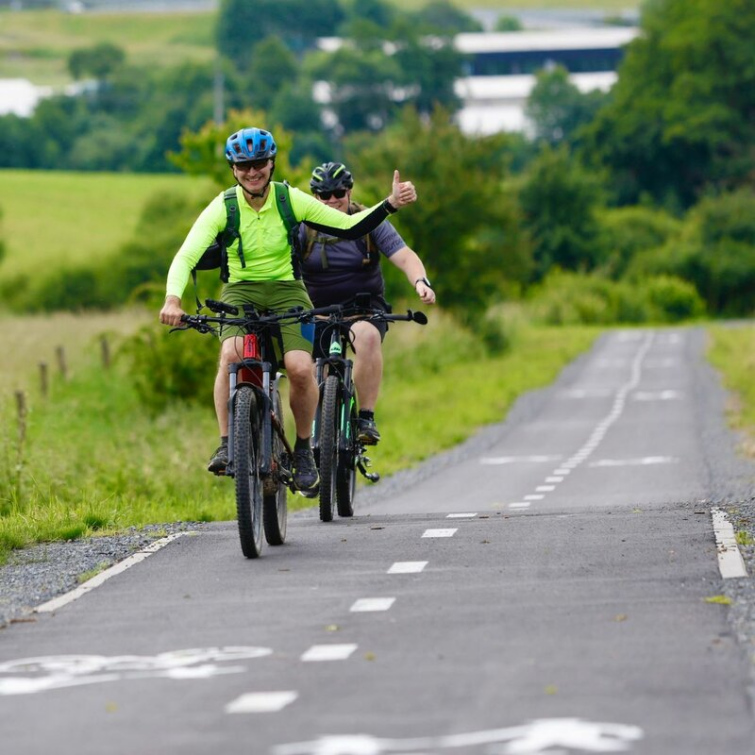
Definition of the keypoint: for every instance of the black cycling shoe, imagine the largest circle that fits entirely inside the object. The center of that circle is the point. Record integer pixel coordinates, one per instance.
(219, 460)
(367, 431)
(306, 478)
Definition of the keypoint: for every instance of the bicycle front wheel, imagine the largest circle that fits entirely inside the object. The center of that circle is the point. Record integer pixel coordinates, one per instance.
(275, 499)
(246, 453)
(328, 447)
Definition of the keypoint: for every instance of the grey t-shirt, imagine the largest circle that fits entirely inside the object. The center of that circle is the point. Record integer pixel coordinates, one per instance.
(335, 270)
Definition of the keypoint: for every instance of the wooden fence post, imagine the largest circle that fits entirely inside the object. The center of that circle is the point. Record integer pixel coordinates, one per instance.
(105, 348)
(21, 416)
(44, 382)
(62, 364)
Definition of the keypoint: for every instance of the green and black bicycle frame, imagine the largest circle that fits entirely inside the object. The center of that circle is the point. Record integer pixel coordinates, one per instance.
(336, 363)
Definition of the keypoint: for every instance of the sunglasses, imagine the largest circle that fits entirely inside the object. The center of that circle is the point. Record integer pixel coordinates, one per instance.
(338, 194)
(252, 165)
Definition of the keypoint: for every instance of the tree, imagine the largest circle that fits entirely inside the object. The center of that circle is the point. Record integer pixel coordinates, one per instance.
(100, 61)
(464, 225)
(557, 108)
(363, 83)
(681, 118)
(242, 23)
(559, 199)
(508, 23)
(442, 16)
(202, 150)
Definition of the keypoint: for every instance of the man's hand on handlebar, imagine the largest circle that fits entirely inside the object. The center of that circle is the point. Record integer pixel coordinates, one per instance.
(171, 313)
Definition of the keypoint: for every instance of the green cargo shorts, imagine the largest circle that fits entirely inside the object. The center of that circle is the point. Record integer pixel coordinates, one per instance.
(272, 296)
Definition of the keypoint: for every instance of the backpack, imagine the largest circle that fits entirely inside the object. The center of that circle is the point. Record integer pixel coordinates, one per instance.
(373, 253)
(216, 255)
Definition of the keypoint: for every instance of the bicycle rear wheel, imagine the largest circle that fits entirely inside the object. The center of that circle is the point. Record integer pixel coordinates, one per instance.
(275, 502)
(346, 477)
(328, 447)
(246, 453)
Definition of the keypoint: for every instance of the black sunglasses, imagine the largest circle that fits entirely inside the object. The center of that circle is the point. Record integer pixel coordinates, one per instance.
(338, 194)
(252, 164)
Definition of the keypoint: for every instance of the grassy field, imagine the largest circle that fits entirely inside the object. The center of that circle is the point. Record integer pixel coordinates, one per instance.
(732, 351)
(36, 44)
(89, 458)
(56, 218)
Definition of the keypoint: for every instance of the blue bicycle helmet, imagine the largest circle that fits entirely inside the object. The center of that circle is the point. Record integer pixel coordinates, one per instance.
(250, 144)
(330, 176)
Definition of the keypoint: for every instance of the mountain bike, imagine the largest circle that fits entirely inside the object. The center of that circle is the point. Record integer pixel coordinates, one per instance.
(338, 451)
(259, 454)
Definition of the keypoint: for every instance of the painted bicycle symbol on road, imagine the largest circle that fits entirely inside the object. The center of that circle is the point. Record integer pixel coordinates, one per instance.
(31, 675)
(547, 736)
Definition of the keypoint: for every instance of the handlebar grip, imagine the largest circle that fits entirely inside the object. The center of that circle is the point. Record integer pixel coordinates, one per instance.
(219, 306)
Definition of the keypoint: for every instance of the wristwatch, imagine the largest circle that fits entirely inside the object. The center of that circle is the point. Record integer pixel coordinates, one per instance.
(423, 280)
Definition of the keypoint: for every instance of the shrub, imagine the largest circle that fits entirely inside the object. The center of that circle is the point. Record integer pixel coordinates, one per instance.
(170, 367)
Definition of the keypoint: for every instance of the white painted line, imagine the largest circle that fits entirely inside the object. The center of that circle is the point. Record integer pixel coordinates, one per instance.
(461, 516)
(516, 459)
(364, 605)
(261, 702)
(562, 471)
(328, 652)
(730, 561)
(545, 488)
(520, 505)
(554, 479)
(440, 533)
(647, 460)
(534, 497)
(96, 581)
(407, 567)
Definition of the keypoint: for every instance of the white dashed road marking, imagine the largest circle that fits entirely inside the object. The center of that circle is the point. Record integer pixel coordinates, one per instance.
(440, 533)
(407, 567)
(328, 652)
(461, 516)
(261, 702)
(372, 604)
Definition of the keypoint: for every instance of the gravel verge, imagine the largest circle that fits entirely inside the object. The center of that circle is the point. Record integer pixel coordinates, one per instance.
(38, 574)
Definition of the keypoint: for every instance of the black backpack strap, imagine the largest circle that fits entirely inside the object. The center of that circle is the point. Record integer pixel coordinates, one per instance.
(283, 203)
(231, 232)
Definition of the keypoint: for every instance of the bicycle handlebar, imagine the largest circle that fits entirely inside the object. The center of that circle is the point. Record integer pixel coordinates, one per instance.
(228, 314)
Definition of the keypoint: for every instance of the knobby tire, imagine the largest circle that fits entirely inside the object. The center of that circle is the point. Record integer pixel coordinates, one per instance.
(275, 505)
(246, 452)
(346, 477)
(328, 447)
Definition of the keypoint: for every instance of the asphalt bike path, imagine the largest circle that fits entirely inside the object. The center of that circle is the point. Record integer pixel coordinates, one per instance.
(552, 594)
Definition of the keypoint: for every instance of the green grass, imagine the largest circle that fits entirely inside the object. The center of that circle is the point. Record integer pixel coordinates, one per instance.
(95, 462)
(36, 44)
(52, 219)
(732, 351)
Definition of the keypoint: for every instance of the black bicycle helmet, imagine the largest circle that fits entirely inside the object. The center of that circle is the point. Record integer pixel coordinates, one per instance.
(329, 177)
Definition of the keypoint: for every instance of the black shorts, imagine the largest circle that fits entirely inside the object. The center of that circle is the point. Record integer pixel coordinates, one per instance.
(323, 334)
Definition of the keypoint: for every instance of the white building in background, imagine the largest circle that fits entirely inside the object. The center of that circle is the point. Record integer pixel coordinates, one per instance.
(20, 96)
(501, 70)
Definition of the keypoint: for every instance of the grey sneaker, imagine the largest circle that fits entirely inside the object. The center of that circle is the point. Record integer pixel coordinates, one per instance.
(306, 478)
(367, 431)
(219, 460)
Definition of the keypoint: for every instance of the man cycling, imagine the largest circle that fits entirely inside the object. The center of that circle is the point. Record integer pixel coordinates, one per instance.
(336, 269)
(268, 278)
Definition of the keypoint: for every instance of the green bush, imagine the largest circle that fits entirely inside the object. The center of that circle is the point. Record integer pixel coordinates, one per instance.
(570, 299)
(627, 231)
(715, 252)
(171, 367)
